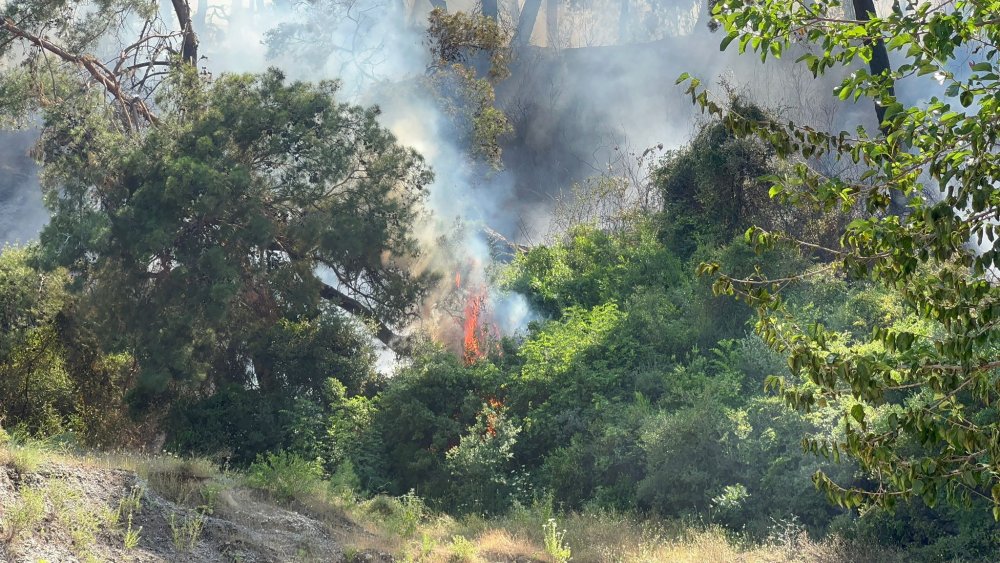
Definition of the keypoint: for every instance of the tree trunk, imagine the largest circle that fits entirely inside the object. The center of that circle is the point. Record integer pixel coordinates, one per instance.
(354, 307)
(189, 45)
(623, 23)
(552, 23)
(863, 11)
(201, 17)
(526, 24)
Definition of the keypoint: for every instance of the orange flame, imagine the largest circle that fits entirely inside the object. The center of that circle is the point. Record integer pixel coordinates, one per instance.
(492, 418)
(479, 336)
(473, 344)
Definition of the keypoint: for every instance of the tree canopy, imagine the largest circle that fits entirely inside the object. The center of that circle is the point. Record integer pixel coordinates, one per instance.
(197, 213)
(923, 420)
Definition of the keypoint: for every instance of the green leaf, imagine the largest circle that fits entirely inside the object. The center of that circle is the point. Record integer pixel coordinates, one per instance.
(729, 39)
(858, 412)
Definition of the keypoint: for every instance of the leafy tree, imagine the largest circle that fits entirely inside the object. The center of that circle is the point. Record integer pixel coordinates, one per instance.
(54, 377)
(58, 53)
(682, 475)
(423, 414)
(711, 188)
(36, 389)
(940, 437)
(589, 267)
(250, 203)
(484, 480)
(715, 188)
(353, 37)
(471, 55)
(227, 238)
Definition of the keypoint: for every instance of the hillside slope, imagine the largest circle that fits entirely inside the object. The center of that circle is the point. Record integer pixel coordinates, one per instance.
(58, 507)
(72, 512)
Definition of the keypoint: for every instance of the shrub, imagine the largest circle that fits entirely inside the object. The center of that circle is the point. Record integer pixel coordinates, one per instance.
(180, 480)
(401, 515)
(285, 476)
(462, 549)
(186, 531)
(554, 542)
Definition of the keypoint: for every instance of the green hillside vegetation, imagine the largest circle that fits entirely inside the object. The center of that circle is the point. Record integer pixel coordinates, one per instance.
(222, 256)
(114, 507)
(641, 393)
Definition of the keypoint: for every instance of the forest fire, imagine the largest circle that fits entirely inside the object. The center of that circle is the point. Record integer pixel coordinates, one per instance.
(471, 346)
(479, 334)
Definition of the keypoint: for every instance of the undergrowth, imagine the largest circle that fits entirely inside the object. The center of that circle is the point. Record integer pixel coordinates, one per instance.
(403, 527)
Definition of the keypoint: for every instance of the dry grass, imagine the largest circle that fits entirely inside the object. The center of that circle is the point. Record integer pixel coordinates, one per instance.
(191, 482)
(404, 528)
(27, 456)
(593, 538)
(505, 545)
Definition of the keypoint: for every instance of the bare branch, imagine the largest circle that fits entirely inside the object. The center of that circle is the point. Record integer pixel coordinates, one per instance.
(95, 68)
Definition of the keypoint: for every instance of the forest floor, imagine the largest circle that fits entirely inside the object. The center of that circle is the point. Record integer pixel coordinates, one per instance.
(62, 507)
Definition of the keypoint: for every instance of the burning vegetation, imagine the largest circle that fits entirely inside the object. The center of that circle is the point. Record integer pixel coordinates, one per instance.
(479, 333)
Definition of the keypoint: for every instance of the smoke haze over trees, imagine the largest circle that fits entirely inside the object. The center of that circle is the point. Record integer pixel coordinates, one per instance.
(459, 255)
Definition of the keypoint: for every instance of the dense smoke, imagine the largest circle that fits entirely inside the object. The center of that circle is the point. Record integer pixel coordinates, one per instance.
(22, 214)
(574, 102)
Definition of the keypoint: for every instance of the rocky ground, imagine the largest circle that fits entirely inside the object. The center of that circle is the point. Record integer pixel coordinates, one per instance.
(67, 513)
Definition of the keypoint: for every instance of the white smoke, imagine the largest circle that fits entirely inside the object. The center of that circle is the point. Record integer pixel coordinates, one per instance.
(572, 106)
(22, 214)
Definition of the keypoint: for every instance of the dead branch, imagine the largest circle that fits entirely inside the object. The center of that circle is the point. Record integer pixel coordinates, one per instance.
(95, 68)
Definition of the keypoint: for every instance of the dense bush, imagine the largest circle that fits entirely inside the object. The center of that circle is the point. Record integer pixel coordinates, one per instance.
(636, 391)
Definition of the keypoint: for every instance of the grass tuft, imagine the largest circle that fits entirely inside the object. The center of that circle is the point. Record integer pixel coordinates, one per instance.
(24, 515)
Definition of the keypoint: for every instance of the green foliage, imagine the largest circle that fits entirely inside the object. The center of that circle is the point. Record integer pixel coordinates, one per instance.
(185, 532)
(459, 44)
(460, 37)
(462, 550)
(209, 264)
(711, 189)
(611, 395)
(220, 217)
(403, 514)
(24, 514)
(717, 186)
(340, 434)
(306, 353)
(36, 389)
(567, 365)
(484, 479)
(590, 267)
(683, 474)
(554, 542)
(423, 414)
(132, 535)
(923, 424)
(128, 506)
(237, 423)
(285, 476)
